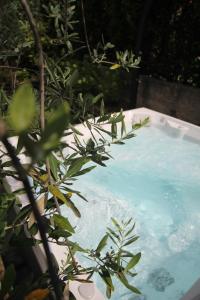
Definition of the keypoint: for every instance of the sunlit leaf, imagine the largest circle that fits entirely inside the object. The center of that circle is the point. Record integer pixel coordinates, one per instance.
(125, 282)
(105, 275)
(22, 108)
(76, 165)
(63, 223)
(71, 205)
(130, 241)
(134, 260)
(115, 66)
(116, 224)
(55, 127)
(86, 170)
(102, 243)
(54, 165)
(56, 192)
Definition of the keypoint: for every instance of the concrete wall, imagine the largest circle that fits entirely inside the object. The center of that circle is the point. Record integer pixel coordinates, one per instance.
(177, 100)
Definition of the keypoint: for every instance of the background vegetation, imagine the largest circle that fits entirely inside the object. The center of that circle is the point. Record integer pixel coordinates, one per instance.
(165, 34)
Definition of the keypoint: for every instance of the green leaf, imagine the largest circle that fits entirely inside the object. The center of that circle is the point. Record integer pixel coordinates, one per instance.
(71, 205)
(125, 282)
(114, 234)
(136, 126)
(54, 165)
(116, 224)
(102, 243)
(134, 260)
(130, 230)
(86, 170)
(105, 275)
(97, 98)
(123, 127)
(145, 121)
(130, 241)
(141, 124)
(118, 143)
(23, 214)
(63, 223)
(76, 165)
(76, 247)
(55, 127)
(22, 108)
(108, 292)
(54, 190)
(106, 131)
(114, 130)
(119, 118)
(103, 118)
(115, 66)
(73, 78)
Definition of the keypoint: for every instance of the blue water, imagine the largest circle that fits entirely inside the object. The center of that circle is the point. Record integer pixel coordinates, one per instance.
(154, 178)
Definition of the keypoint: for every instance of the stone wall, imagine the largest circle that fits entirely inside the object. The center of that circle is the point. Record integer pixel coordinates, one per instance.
(177, 100)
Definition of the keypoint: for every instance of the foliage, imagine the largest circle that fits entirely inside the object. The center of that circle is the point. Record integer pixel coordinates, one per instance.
(56, 156)
(64, 170)
(169, 49)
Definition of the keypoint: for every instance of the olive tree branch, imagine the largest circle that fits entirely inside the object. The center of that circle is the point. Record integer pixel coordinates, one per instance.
(85, 29)
(41, 80)
(24, 179)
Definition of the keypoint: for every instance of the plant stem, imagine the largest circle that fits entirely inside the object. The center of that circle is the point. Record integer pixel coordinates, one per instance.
(23, 177)
(41, 79)
(85, 28)
(40, 59)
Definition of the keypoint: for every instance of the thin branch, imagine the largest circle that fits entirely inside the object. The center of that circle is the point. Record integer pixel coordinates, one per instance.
(40, 59)
(85, 28)
(23, 177)
(66, 7)
(41, 79)
(17, 68)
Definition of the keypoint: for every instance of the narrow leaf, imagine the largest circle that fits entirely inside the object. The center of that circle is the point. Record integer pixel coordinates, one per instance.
(102, 243)
(54, 190)
(63, 223)
(115, 66)
(134, 260)
(76, 165)
(54, 165)
(55, 127)
(22, 108)
(125, 282)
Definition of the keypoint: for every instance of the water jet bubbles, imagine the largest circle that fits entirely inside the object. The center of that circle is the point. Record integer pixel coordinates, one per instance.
(182, 238)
